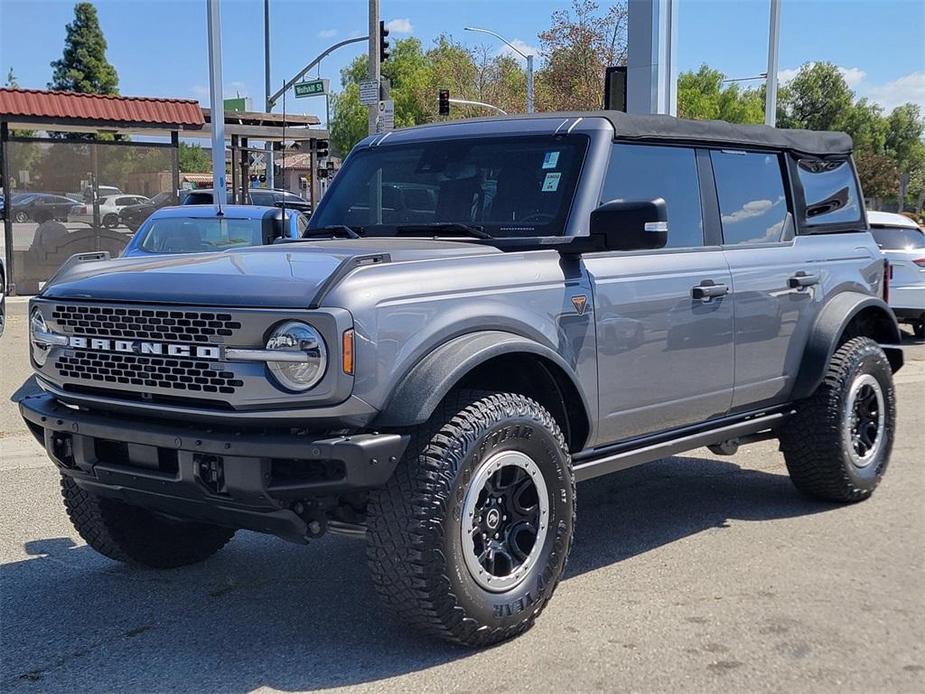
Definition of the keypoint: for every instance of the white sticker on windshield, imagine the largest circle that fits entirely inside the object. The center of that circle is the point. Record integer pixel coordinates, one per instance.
(551, 182)
(550, 160)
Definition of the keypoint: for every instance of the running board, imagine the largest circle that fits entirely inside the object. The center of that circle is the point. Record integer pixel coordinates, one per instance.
(605, 464)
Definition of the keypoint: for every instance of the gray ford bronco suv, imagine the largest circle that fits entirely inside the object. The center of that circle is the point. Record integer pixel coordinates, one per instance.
(480, 314)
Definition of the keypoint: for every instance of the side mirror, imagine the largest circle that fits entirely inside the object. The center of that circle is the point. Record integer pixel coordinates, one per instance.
(631, 225)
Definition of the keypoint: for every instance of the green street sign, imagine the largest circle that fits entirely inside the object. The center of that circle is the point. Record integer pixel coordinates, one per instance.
(237, 104)
(312, 88)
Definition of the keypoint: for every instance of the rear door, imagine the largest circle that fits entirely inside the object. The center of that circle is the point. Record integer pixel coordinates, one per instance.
(665, 358)
(776, 279)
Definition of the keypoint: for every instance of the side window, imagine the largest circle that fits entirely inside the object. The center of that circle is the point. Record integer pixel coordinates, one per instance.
(830, 190)
(645, 172)
(752, 203)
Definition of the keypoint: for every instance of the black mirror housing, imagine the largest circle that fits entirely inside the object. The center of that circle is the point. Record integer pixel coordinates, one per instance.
(631, 225)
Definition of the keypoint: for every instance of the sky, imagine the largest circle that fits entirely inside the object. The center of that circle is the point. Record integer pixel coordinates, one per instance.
(159, 47)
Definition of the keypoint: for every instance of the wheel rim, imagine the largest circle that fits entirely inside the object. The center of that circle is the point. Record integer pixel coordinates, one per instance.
(863, 428)
(505, 519)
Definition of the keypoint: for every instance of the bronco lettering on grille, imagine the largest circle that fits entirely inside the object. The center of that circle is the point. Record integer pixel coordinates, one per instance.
(102, 344)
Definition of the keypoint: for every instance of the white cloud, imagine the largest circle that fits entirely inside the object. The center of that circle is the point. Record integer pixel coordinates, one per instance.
(399, 26)
(521, 46)
(909, 87)
(752, 208)
(327, 33)
(853, 75)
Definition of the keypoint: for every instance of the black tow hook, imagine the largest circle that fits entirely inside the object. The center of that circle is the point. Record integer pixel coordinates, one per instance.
(316, 522)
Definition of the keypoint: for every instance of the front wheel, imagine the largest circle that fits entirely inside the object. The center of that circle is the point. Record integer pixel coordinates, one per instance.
(837, 445)
(470, 537)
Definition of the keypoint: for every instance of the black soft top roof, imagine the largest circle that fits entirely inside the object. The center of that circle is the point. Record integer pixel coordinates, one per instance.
(661, 127)
(679, 130)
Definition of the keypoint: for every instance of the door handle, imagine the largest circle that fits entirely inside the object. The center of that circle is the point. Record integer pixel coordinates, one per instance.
(802, 279)
(708, 289)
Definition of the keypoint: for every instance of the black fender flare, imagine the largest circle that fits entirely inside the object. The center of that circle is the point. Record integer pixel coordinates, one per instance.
(830, 325)
(419, 391)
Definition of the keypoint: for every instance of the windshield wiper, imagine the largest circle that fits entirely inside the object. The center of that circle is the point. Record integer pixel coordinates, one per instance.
(449, 227)
(349, 232)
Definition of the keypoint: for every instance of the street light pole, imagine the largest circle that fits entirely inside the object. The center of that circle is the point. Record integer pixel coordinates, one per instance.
(268, 146)
(528, 58)
(770, 96)
(214, 22)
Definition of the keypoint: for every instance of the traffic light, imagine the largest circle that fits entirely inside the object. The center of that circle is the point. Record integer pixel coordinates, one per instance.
(321, 148)
(444, 109)
(383, 42)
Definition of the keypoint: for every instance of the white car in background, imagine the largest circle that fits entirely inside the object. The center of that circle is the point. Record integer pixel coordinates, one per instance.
(110, 207)
(903, 243)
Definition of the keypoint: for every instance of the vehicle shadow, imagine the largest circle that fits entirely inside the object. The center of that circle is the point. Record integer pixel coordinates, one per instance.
(266, 613)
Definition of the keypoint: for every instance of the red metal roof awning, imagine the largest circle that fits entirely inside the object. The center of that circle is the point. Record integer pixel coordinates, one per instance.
(72, 108)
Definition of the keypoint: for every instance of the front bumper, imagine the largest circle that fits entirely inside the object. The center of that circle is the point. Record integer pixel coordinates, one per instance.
(248, 479)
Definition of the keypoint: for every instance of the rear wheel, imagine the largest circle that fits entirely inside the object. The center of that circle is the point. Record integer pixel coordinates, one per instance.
(471, 535)
(132, 534)
(837, 446)
(918, 329)
(111, 221)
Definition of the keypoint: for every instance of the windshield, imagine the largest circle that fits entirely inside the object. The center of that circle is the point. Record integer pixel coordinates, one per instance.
(507, 186)
(898, 238)
(198, 234)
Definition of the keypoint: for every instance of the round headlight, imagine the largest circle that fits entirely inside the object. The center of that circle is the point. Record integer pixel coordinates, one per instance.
(303, 356)
(37, 326)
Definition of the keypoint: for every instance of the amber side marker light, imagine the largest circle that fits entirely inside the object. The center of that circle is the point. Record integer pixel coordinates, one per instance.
(347, 351)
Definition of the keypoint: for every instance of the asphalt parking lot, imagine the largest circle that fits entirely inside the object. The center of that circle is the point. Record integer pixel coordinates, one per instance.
(696, 573)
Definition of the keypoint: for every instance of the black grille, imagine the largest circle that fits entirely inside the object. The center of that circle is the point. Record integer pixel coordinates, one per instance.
(143, 323)
(155, 372)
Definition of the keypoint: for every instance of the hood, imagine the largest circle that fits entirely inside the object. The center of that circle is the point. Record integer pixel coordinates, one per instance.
(279, 276)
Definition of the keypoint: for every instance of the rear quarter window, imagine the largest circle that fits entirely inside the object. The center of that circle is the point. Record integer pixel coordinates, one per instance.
(830, 191)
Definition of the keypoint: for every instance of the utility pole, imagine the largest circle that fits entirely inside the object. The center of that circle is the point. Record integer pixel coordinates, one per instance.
(268, 146)
(770, 92)
(214, 21)
(373, 60)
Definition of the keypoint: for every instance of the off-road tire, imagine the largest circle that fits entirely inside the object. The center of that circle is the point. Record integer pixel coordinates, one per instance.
(134, 535)
(414, 545)
(813, 442)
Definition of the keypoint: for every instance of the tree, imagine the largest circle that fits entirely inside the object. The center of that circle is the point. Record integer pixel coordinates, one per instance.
(701, 96)
(818, 98)
(878, 174)
(904, 144)
(193, 159)
(865, 123)
(83, 66)
(416, 76)
(576, 51)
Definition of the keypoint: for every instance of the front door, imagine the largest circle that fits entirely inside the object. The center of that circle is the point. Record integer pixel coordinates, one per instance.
(664, 319)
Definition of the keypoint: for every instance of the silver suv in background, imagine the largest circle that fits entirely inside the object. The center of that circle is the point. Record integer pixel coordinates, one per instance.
(902, 241)
(479, 315)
